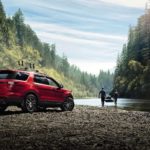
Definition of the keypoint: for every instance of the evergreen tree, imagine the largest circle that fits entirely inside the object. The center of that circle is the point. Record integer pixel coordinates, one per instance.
(64, 65)
(53, 55)
(4, 35)
(18, 20)
(131, 75)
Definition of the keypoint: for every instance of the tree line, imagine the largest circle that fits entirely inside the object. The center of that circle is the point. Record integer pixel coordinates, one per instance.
(18, 42)
(132, 74)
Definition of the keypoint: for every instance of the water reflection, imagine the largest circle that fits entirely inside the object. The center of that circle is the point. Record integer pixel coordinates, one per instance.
(129, 104)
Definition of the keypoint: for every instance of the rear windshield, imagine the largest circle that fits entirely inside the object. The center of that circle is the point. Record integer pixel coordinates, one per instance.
(7, 75)
(13, 75)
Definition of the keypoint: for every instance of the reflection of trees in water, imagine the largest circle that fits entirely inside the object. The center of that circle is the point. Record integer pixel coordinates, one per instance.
(139, 106)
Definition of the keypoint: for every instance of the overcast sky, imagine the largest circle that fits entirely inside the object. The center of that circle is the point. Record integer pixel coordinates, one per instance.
(89, 32)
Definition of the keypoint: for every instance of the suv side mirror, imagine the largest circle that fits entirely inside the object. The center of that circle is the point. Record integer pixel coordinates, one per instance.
(61, 86)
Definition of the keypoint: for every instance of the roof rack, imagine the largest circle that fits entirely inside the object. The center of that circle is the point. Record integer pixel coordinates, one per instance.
(24, 69)
(44, 74)
(27, 65)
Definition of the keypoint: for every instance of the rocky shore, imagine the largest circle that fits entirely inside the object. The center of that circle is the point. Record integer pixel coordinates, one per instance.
(86, 128)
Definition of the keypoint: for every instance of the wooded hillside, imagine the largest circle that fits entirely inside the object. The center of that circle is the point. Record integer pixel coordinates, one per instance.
(20, 44)
(132, 75)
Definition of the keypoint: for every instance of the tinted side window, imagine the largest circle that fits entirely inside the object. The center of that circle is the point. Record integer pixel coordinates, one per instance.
(52, 82)
(21, 76)
(7, 75)
(40, 79)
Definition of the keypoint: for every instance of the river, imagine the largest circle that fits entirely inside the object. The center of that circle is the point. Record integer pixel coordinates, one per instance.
(128, 104)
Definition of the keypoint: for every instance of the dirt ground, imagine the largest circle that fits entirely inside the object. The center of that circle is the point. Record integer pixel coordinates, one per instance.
(84, 128)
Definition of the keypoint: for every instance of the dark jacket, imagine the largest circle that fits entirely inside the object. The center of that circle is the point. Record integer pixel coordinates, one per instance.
(102, 93)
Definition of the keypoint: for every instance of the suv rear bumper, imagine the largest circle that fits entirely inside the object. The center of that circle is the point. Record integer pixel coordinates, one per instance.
(10, 100)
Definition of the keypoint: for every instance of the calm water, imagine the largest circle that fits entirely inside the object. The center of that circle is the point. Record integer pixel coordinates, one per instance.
(129, 104)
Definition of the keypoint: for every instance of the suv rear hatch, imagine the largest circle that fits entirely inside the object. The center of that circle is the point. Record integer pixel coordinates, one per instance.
(12, 81)
(6, 81)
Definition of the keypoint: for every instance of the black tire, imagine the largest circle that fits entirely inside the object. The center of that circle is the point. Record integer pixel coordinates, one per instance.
(2, 108)
(68, 104)
(30, 103)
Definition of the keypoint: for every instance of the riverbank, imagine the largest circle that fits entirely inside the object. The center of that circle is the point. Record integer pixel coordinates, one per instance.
(128, 104)
(83, 128)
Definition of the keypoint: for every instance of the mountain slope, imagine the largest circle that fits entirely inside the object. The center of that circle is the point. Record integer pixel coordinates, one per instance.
(20, 47)
(133, 65)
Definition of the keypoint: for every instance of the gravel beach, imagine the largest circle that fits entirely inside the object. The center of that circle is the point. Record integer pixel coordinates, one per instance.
(85, 127)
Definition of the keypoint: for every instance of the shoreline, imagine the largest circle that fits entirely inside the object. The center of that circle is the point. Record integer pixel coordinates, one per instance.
(127, 104)
(86, 127)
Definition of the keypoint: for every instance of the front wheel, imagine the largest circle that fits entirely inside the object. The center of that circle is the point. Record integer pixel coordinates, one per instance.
(68, 104)
(30, 103)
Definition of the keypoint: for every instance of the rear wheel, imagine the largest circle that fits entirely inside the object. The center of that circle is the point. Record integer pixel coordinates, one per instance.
(3, 108)
(68, 104)
(30, 103)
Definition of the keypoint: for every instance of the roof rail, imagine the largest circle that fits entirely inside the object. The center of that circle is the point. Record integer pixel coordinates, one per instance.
(44, 74)
(23, 69)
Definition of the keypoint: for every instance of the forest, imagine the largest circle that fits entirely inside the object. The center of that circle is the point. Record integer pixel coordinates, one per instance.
(20, 47)
(132, 74)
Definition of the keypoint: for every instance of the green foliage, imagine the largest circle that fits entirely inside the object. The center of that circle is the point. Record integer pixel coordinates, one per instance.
(133, 68)
(64, 65)
(18, 21)
(4, 37)
(105, 81)
(18, 42)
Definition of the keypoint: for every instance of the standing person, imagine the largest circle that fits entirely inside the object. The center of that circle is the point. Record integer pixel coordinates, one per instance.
(116, 97)
(102, 94)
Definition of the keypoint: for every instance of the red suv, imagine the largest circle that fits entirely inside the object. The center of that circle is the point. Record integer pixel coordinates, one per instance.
(32, 91)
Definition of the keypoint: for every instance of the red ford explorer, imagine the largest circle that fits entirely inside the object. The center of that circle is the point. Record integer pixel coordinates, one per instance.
(32, 91)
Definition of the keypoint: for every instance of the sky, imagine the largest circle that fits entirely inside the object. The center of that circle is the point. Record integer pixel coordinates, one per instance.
(90, 33)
